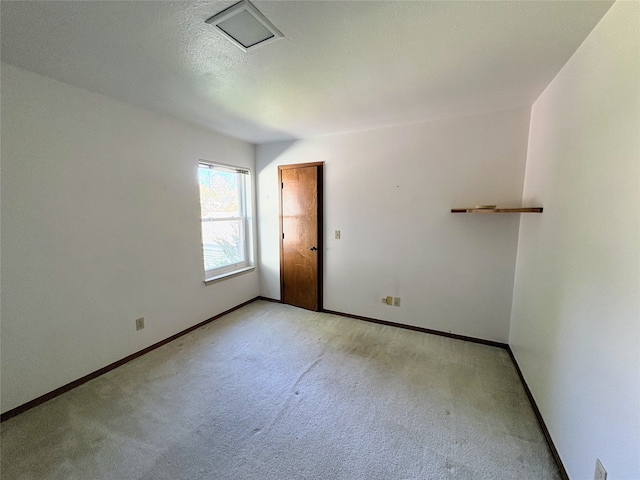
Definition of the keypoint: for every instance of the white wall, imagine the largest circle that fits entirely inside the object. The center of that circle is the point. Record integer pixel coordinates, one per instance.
(389, 192)
(100, 217)
(576, 315)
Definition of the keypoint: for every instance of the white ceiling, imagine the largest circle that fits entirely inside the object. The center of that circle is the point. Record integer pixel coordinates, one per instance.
(342, 66)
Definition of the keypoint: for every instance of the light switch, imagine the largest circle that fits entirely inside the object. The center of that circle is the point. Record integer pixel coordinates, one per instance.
(337, 234)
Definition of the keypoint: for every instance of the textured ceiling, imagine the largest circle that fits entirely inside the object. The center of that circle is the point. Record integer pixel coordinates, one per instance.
(342, 66)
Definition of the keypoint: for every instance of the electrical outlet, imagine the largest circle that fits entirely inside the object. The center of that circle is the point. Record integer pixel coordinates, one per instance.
(384, 300)
(337, 234)
(389, 301)
(140, 323)
(601, 473)
(396, 301)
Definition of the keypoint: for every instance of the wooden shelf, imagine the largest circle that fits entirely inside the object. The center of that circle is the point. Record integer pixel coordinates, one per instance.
(497, 210)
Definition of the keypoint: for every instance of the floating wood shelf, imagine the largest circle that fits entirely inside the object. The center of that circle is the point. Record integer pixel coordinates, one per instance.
(497, 210)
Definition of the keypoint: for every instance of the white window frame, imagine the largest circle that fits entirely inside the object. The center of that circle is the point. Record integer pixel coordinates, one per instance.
(244, 177)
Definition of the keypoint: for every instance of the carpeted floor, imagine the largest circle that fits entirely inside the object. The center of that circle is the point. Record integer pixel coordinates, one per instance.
(274, 392)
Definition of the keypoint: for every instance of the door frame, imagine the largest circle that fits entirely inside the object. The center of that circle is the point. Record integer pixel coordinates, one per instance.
(320, 226)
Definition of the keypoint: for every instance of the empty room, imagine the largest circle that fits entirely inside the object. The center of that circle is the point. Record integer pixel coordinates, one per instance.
(320, 240)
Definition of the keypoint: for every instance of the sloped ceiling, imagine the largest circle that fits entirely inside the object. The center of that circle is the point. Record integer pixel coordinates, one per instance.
(342, 66)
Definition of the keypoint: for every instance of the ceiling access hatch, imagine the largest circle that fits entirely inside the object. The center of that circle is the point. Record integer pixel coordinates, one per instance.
(245, 26)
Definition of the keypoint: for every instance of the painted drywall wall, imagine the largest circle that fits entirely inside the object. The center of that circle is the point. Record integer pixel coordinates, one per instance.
(576, 317)
(389, 192)
(100, 217)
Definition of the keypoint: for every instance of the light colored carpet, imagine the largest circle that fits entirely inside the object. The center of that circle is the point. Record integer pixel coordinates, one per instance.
(274, 392)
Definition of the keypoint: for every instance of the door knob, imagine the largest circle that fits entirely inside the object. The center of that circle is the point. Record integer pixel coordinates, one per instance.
(313, 249)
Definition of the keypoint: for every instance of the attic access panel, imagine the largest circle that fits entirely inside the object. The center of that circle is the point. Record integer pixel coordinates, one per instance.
(245, 26)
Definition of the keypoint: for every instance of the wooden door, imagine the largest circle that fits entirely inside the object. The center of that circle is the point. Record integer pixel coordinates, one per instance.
(301, 235)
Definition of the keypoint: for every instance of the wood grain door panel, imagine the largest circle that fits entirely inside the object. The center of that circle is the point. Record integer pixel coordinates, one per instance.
(301, 249)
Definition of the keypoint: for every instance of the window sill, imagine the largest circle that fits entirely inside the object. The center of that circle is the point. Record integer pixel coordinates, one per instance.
(224, 276)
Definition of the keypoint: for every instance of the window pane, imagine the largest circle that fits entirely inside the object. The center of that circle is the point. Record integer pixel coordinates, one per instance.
(223, 243)
(223, 203)
(219, 193)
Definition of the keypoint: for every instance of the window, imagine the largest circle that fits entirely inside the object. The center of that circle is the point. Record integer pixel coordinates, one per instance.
(225, 203)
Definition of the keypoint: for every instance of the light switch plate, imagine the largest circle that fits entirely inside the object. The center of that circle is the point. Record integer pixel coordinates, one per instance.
(337, 234)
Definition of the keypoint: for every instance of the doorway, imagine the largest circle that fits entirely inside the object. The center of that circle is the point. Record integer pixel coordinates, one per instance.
(301, 245)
